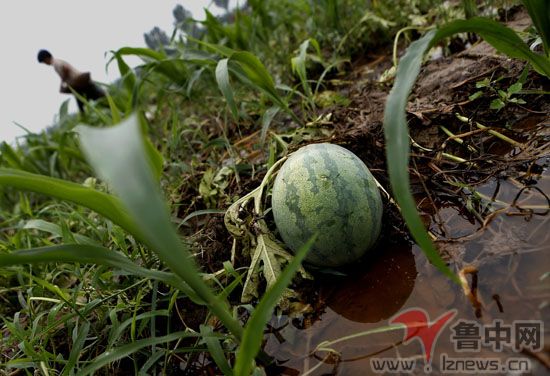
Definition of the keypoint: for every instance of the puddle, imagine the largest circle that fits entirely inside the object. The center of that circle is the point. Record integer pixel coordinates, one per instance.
(511, 258)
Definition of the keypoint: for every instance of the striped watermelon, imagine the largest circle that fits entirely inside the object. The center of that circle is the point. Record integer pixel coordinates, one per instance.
(328, 190)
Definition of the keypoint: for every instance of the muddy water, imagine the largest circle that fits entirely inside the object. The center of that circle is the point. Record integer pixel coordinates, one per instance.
(511, 258)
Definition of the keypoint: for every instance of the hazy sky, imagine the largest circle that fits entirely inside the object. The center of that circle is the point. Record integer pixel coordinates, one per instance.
(81, 32)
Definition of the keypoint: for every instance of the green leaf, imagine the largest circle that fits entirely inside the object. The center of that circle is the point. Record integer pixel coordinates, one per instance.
(39, 224)
(217, 48)
(496, 104)
(126, 73)
(254, 330)
(499, 36)
(197, 213)
(298, 64)
(257, 73)
(117, 330)
(141, 52)
(154, 157)
(397, 147)
(78, 344)
(118, 156)
(115, 112)
(127, 350)
(222, 77)
(88, 254)
(100, 202)
(250, 70)
(515, 88)
(267, 118)
(192, 80)
(10, 156)
(56, 230)
(502, 94)
(215, 349)
(539, 11)
(475, 95)
(483, 83)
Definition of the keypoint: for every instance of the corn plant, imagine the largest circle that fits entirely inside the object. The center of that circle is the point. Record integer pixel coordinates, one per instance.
(396, 133)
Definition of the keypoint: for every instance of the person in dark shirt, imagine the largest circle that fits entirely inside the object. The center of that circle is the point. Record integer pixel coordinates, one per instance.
(80, 82)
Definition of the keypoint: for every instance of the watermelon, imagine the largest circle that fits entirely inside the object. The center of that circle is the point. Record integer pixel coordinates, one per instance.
(327, 190)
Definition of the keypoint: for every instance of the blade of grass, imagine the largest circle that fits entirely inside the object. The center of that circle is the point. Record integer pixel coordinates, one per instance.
(56, 231)
(99, 202)
(126, 350)
(78, 343)
(198, 213)
(10, 156)
(80, 253)
(254, 330)
(115, 112)
(154, 157)
(119, 329)
(126, 73)
(118, 156)
(215, 349)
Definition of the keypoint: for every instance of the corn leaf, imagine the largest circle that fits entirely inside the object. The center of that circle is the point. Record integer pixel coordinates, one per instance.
(499, 36)
(118, 156)
(258, 75)
(397, 147)
(539, 11)
(141, 52)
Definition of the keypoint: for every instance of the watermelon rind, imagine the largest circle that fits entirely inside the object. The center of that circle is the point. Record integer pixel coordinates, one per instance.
(327, 190)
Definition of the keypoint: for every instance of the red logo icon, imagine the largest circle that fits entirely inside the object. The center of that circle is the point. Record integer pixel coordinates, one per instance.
(418, 325)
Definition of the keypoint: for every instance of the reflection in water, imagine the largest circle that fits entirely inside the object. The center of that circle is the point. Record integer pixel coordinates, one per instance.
(379, 291)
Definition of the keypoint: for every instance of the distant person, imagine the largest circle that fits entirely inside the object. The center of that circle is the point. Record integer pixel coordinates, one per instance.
(80, 82)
